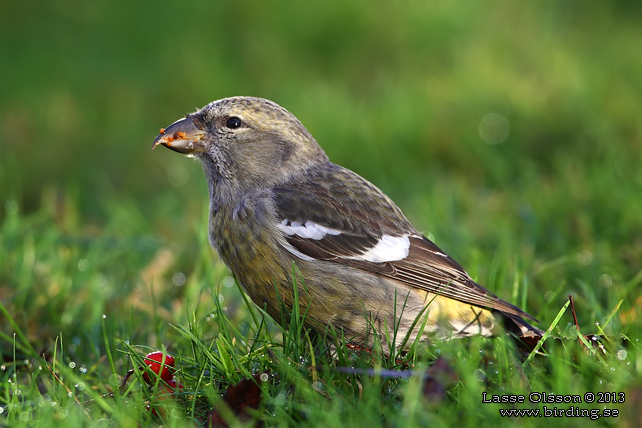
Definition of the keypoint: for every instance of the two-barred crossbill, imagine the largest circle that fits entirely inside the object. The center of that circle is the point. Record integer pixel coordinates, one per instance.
(277, 201)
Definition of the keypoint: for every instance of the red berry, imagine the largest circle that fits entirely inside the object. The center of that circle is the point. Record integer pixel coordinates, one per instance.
(154, 361)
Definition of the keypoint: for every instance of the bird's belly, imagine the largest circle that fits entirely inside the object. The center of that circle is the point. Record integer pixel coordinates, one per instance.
(365, 304)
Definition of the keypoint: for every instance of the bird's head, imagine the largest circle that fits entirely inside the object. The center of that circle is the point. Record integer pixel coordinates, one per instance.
(251, 142)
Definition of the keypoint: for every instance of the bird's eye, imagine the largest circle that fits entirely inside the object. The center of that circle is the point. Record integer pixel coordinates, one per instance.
(233, 122)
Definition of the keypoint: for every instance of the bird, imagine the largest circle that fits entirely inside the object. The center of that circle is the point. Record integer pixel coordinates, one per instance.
(294, 227)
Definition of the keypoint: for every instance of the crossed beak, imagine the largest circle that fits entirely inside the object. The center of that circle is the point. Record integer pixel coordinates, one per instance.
(182, 136)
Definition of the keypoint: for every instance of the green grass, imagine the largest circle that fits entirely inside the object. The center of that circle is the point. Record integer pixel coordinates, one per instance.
(103, 244)
(305, 385)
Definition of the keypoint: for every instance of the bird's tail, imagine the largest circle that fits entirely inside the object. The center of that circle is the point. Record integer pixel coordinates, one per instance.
(521, 328)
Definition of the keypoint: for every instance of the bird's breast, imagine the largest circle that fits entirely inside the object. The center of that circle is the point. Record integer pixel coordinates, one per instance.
(250, 251)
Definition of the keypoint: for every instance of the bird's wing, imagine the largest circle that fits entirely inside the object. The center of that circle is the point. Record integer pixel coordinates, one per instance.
(335, 215)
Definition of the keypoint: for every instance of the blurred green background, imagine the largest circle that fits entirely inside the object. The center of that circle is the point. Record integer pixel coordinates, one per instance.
(509, 131)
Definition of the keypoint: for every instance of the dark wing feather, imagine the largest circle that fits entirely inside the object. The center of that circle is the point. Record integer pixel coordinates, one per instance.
(437, 274)
(338, 199)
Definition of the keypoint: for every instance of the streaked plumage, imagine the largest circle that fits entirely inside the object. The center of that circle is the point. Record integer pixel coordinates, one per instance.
(276, 199)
